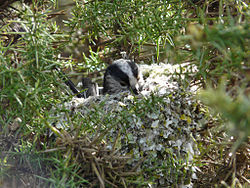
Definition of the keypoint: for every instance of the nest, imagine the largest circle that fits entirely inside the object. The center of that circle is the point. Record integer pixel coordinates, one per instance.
(125, 138)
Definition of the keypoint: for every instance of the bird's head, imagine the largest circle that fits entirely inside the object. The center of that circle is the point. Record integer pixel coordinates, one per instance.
(121, 75)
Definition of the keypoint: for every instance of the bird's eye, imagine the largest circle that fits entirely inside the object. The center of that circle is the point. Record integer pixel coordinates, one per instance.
(123, 83)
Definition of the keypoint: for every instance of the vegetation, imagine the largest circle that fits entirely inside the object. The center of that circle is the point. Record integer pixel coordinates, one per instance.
(211, 35)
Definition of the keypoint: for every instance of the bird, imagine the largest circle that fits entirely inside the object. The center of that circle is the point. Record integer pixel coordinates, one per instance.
(121, 75)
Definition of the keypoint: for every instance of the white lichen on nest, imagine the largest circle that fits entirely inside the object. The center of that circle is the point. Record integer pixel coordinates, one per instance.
(158, 125)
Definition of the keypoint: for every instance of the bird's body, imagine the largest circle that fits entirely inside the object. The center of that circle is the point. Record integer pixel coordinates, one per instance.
(121, 75)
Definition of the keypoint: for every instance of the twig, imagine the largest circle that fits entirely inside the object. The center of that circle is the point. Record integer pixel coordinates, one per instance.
(54, 149)
(243, 178)
(110, 183)
(98, 174)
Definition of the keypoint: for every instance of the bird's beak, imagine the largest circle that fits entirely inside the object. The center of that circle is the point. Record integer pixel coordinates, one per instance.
(135, 89)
